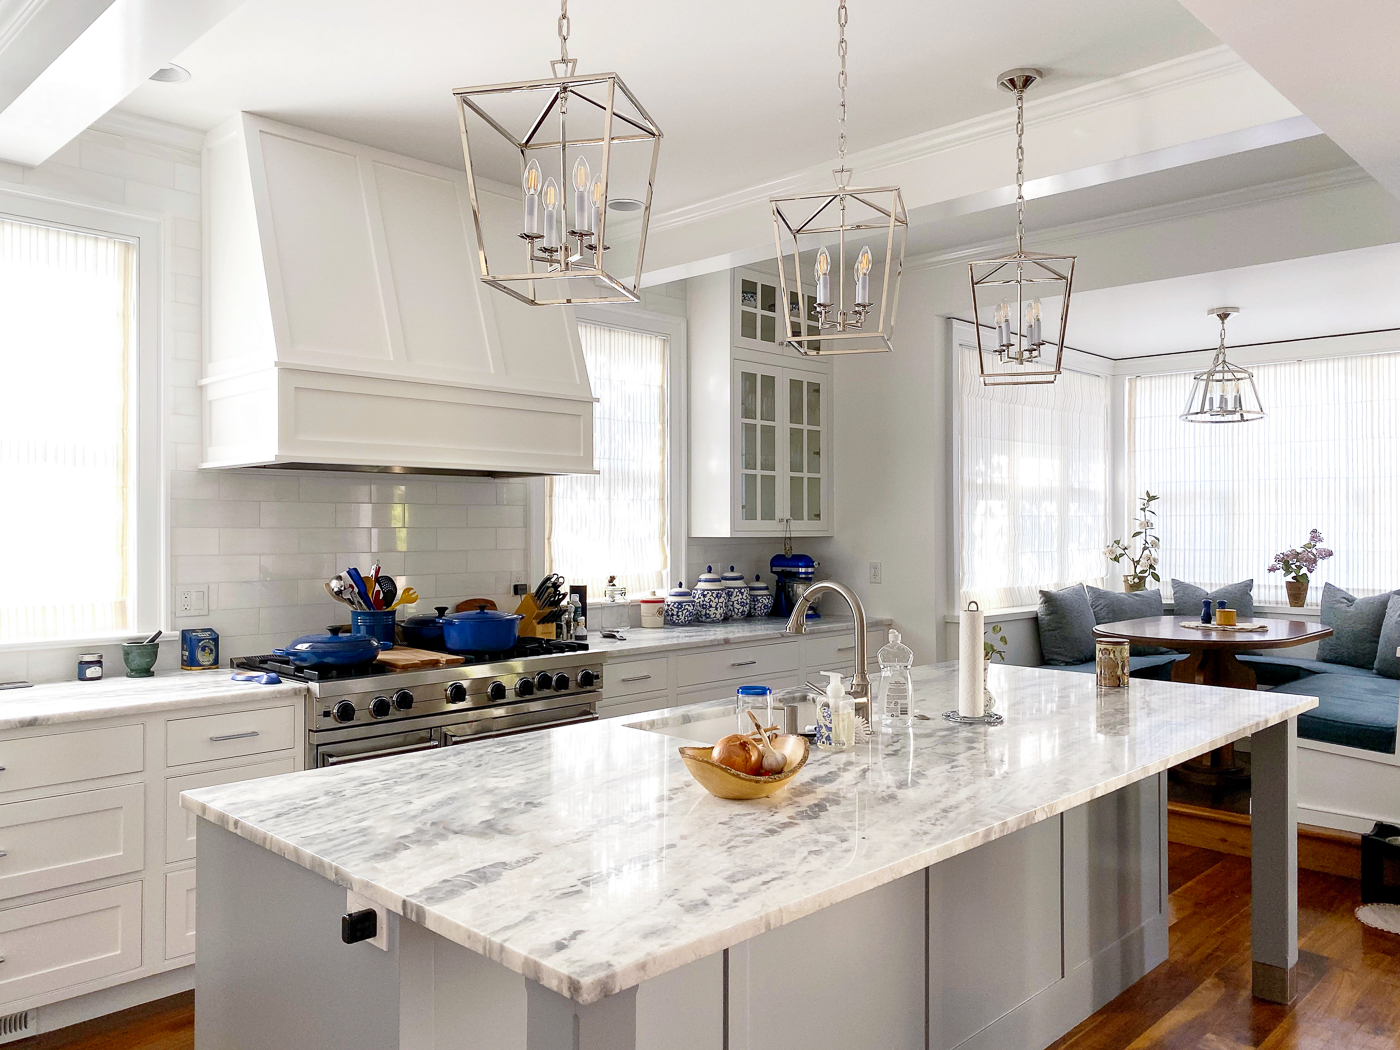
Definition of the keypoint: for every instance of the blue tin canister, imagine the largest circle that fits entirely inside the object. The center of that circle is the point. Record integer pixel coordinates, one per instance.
(199, 648)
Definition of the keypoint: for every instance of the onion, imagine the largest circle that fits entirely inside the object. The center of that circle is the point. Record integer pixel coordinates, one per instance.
(738, 753)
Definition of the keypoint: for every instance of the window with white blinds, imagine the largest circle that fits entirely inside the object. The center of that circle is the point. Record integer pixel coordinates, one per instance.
(614, 523)
(1033, 485)
(1326, 456)
(66, 331)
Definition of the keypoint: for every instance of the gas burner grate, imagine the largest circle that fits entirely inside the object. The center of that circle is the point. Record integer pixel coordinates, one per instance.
(287, 669)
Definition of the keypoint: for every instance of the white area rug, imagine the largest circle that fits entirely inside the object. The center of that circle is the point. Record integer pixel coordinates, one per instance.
(1380, 916)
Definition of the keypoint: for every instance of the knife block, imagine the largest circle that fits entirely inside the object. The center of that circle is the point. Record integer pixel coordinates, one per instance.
(530, 627)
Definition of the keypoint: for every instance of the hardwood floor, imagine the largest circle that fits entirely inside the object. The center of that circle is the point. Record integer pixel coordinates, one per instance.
(1349, 980)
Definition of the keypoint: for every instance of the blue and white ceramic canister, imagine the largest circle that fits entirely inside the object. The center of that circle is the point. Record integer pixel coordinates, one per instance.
(760, 598)
(680, 606)
(711, 597)
(738, 594)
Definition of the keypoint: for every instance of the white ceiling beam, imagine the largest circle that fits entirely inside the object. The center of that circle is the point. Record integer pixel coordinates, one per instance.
(1331, 60)
(1199, 107)
(33, 33)
(60, 90)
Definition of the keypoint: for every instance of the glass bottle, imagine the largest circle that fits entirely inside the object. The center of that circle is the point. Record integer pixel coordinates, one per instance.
(894, 689)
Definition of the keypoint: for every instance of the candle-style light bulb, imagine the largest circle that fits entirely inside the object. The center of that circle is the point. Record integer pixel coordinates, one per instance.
(531, 182)
(1035, 323)
(823, 270)
(550, 203)
(600, 201)
(582, 212)
(1004, 324)
(862, 271)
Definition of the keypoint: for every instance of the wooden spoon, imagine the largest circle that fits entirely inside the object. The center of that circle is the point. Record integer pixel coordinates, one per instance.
(773, 762)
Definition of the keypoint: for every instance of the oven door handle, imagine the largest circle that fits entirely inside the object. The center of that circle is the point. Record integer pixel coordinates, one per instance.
(453, 739)
(407, 749)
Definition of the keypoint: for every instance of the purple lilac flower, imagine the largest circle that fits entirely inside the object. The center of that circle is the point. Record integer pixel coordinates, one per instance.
(1314, 536)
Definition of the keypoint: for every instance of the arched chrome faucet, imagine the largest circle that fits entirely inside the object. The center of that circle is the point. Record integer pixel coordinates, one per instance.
(797, 624)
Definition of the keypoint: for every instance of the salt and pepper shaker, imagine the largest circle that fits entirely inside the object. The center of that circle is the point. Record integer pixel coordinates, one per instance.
(1205, 610)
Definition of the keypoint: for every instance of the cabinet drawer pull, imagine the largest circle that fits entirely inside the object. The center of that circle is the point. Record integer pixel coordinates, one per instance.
(2, 769)
(636, 678)
(233, 736)
(4, 853)
(743, 663)
(846, 649)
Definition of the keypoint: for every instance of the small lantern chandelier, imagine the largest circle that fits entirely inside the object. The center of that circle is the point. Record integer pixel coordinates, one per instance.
(1008, 291)
(601, 145)
(836, 318)
(1223, 393)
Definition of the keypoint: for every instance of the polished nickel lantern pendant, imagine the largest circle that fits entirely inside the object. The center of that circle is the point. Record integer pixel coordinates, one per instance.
(1223, 393)
(1020, 302)
(560, 173)
(851, 241)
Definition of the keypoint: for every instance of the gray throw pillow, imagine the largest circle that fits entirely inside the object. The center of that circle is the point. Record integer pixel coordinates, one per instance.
(1065, 620)
(1387, 663)
(1113, 606)
(1187, 598)
(1356, 627)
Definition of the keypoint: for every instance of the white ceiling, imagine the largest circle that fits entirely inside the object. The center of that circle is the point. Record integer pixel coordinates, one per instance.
(744, 91)
(1334, 294)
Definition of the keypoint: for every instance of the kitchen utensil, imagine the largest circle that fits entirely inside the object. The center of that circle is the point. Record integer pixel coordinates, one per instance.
(723, 782)
(402, 659)
(336, 594)
(267, 678)
(773, 762)
(360, 588)
(332, 649)
(388, 589)
(152, 638)
(342, 588)
(139, 658)
(424, 632)
(480, 631)
(376, 598)
(407, 596)
(616, 636)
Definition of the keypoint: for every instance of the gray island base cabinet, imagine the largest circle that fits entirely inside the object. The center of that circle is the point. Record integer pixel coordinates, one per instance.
(953, 887)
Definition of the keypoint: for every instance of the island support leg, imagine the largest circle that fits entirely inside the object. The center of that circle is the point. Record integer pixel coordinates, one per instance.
(1274, 862)
(554, 1022)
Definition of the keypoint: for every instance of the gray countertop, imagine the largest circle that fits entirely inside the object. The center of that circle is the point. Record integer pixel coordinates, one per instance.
(586, 858)
(643, 641)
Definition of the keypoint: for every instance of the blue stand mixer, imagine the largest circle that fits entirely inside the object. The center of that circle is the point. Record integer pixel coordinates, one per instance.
(793, 574)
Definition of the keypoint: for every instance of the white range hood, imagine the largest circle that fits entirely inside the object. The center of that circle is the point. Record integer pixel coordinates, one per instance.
(346, 328)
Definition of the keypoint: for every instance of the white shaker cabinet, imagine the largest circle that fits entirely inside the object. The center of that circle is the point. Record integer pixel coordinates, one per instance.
(760, 417)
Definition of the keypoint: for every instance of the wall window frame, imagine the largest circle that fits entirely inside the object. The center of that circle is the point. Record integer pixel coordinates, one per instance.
(147, 474)
(633, 317)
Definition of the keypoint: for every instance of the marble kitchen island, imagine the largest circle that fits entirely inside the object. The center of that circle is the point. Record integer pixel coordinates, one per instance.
(574, 888)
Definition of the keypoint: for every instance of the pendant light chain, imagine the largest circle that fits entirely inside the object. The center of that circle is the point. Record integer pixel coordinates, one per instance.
(564, 31)
(841, 79)
(1020, 169)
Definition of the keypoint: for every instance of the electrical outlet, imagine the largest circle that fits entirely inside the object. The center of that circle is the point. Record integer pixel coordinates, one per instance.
(877, 572)
(192, 601)
(517, 577)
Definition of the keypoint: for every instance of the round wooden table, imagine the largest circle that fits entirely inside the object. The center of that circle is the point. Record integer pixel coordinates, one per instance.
(1211, 661)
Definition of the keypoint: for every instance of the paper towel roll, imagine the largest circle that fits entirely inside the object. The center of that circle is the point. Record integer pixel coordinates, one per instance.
(972, 668)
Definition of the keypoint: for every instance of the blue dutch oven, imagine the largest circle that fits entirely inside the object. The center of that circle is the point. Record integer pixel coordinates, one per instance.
(482, 630)
(424, 632)
(333, 649)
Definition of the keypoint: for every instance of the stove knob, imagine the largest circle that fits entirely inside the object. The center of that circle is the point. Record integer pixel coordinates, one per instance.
(544, 680)
(345, 711)
(403, 700)
(456, 693)
(587, 679)
(524, 687)
(380, 707)
(496, 691)
(562, 682)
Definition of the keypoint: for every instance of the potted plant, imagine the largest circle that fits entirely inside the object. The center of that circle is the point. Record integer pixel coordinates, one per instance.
(1297, 564)
(1144, 563)
(991, 650)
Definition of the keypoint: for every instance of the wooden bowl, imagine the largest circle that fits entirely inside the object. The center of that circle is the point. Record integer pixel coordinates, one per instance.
(723, 782)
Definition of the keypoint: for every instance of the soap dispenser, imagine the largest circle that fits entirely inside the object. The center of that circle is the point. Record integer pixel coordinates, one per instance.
(894, 688)
(836, 716)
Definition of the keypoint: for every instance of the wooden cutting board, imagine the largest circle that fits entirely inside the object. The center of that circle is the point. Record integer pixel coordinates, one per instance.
(400, 659)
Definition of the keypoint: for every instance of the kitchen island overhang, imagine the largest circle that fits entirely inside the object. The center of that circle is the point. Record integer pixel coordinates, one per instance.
(586, 860)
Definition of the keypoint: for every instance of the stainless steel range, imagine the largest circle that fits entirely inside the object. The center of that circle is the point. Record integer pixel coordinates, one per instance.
(369, 712)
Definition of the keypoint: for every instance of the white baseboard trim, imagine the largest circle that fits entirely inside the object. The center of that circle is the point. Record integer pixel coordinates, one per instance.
(119, 997)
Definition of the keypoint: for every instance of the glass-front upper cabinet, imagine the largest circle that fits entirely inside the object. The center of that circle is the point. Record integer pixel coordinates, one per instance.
(758, 317)
(781, 473)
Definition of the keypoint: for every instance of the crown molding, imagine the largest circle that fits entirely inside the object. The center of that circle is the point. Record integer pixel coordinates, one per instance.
(1156, 215)
(1134, 86)
(159, 132)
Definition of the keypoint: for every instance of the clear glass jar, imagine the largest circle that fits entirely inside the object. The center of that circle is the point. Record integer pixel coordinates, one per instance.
(759, 700)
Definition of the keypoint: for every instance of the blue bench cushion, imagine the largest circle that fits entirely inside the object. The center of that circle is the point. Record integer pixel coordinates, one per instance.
(1279, 670)
(1353, 710)
(1158, 667)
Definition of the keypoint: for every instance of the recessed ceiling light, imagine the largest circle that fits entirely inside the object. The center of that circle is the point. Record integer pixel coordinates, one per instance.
(625, 204)
(171, 74)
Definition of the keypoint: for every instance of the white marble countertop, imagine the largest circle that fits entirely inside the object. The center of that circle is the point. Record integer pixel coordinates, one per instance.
(643, 640)
(587, 859)
(76, 701)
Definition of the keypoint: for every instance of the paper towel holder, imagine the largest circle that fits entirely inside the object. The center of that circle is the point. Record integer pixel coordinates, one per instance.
(987, 718)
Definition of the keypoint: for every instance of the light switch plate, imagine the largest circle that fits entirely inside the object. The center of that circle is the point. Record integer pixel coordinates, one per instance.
(192, 601)
(877, 572)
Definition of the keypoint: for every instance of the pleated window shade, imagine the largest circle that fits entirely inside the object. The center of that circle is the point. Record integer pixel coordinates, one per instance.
(614, 523)
(1033, 463)
(1326, 456)
(66, 302)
